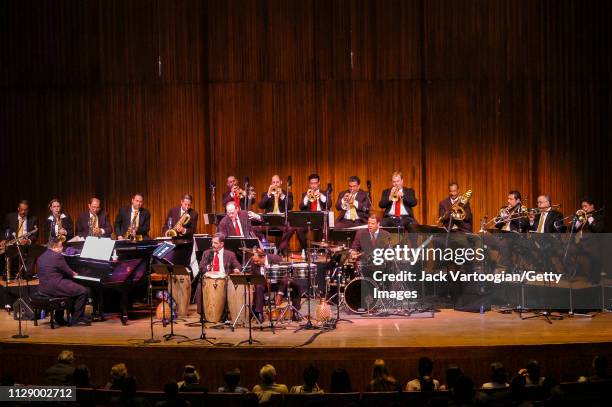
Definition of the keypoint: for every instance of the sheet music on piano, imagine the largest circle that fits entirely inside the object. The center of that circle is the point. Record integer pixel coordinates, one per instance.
(97, 248)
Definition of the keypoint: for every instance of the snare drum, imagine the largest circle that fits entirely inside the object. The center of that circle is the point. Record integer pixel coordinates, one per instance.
(300, 270)
(276, 272)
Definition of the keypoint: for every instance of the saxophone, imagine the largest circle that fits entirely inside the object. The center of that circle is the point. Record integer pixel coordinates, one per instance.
(130, 234)
(181, 222)
(59, 236)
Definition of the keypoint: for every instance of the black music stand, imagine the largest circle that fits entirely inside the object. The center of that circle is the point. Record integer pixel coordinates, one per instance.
(171, 271)
(343, 235)
(248, 280)
(309, 220)
(235, 243)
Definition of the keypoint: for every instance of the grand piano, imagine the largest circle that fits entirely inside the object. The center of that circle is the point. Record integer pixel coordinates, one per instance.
(124, 274)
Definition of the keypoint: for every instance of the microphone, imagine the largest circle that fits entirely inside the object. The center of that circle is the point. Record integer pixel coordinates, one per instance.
(329, 187)
(369, 184)
(246, 180)
(15, 235)
(212, 184)
(289, 182)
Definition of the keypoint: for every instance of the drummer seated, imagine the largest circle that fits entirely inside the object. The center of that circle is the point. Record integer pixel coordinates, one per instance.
(217, 262)
(261, 260)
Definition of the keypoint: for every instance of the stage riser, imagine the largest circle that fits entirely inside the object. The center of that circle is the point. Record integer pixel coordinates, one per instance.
(155, 365)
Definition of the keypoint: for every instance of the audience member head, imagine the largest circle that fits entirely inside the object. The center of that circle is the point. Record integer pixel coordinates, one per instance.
(340, 381)
(600, 365)
(267, 374)
(311, 375)
(425, 367)
(118, 374)
(517, 386)
(171, 390)
(81, 376)
(379, 370)
(533, 371)
(232, 378)
(498, 373)
(452, 373)
(191, 375)
(463, 390)
(66, 357)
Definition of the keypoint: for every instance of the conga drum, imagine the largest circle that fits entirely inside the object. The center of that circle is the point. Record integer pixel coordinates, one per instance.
(181, 292)
(214, 298)
(235, 301)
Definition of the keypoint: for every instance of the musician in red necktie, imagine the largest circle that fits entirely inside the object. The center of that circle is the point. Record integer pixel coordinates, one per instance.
(397, 203)
(312, 200)
(237, 222)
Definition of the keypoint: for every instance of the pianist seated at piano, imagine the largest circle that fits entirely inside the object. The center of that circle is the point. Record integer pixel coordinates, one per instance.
(56, 280)
(133, 222)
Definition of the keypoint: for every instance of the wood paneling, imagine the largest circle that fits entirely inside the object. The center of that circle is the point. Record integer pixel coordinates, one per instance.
(495, 95)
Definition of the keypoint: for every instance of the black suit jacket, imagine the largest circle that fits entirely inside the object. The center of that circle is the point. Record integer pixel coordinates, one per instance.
(267, 203)
(124, 219)
(321, 203)
(175, 215)
(55, 276)
(462, 225)
(11, 224)
(516, 225)
(363, 243)
(82, 225)
(553, 223)
(226, 226)
(228, 198)
(230, 262)
(409, 200)
(363, 209)
(66, 224)
(598, 225)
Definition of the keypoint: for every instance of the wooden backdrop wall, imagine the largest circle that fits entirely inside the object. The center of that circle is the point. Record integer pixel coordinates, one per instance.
(497, 95)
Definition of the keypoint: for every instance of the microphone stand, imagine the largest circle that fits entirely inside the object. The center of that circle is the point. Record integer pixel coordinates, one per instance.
(213, 201)
(152, 338)
(23, 270)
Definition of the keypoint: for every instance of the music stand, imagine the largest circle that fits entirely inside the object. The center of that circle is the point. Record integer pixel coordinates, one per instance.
(307, 219)
(248, 280)
(343, 235)
(234, 243)
(213, 218)
(171, 271)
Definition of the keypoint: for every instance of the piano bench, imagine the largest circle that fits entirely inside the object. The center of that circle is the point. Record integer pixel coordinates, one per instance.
(49, 305)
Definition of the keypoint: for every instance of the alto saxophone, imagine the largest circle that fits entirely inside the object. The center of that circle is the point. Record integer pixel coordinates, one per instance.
(181, 222)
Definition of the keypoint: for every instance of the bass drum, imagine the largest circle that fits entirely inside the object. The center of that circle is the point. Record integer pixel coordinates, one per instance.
(359, 295)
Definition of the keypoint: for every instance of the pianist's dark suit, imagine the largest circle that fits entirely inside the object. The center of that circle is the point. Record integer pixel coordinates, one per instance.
(82, 225)
(55, 280)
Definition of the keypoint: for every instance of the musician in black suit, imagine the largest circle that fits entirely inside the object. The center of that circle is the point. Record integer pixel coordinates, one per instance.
(320, 202)
(588, 218)
(136, 214)
(232, 195)
(94, 222)
(353, 204)
(217, 262)
(398, 213)
(444, 211)
(366, 240)
(20, 223)
(275, 200)
(176, 214)
(510, 219)
(547, 220)
(56, 280)
(58, 223)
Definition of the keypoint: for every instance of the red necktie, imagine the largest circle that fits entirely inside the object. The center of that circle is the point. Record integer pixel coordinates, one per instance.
(216, 262)
(313, 205)
(237, 228)
(398, 207)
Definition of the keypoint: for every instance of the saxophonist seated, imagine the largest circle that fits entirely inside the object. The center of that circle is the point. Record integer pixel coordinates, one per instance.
(445, 210)
(59, 224)
(182, 220)
(133, 221)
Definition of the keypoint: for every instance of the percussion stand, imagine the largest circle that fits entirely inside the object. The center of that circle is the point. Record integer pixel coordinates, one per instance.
(340, 299)
(171, 274)
(248, 280)
(202, 319)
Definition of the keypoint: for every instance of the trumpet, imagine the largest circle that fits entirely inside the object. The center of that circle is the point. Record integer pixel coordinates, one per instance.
(582, 216)
(242, 193)
(348, 201)
(394, 196)
(312, 195)
(173, 232)
(277, 192)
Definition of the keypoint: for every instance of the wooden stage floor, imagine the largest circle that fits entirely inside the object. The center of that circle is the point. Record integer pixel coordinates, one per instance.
(473, 340)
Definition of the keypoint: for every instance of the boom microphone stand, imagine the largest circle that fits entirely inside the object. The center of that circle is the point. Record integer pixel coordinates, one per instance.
(23, 270)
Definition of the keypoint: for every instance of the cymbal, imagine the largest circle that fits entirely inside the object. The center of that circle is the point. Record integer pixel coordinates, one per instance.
(322, 244)
(247, 250)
